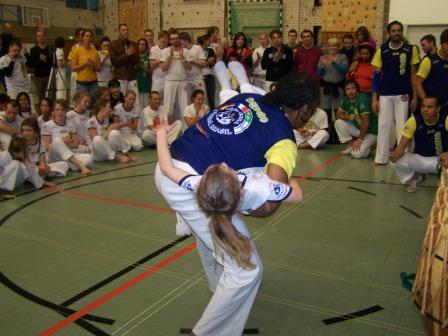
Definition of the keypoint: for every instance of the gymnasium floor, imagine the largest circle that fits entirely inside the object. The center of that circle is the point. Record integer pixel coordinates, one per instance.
(104, 248)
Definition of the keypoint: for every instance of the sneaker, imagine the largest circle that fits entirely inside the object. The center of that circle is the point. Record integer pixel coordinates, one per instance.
(348, 150)
(418, 178)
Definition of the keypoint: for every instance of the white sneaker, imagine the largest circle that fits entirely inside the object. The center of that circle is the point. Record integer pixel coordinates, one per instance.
(413, 184)
(348, 150)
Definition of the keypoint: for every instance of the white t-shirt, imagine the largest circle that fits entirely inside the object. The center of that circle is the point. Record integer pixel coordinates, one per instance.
(19, 80)
(152, 117)
(190, 111)
(80, 122)
(16, 123)
(59, 54)
(125, 116)
(35, 150)
(100, 128)
(258, 188)
(105, 73)
(155, 54)
(258, 70)
(176, 71)
(318, 121)
(196, 54)
(58, 131)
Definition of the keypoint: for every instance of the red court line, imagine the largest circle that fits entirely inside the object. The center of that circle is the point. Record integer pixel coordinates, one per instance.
(109, 296)
(320, 167)
(114, 200)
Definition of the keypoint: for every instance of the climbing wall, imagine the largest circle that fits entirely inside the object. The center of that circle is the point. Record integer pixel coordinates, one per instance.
(346, 16)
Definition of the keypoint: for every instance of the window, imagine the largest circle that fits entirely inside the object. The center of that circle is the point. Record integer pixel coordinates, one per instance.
(83, 4)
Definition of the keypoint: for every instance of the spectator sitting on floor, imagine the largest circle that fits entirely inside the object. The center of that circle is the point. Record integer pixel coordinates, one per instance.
(315, 132)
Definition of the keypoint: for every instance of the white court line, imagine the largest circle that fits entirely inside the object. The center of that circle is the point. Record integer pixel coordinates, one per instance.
(193, 281)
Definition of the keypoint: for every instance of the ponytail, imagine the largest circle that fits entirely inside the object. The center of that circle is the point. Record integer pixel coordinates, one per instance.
(218, 195)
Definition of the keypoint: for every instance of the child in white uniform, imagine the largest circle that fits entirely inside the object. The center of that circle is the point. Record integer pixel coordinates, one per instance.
(314, 134)
(78, 116)
(107, 141)
(45, 108)
(62, 142)
(126, 116)
(15, 167)
(36, 151)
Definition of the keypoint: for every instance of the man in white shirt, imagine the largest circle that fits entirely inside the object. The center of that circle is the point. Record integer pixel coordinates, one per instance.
(315, 133)
(10, 124)
(258, 74)
(175, 61)
(155, 114)
(13, 66)
(155, 53)
(194, 76)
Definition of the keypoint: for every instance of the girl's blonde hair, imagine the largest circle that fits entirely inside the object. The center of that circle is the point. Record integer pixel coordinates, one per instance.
(218, 196)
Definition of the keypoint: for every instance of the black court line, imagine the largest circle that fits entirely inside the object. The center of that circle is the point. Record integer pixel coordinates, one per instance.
(46, 303)
(354, 315)
(80, 178)
(361, 181)
(248, 331)
(362, 190)
(416, 214)
(115, 276)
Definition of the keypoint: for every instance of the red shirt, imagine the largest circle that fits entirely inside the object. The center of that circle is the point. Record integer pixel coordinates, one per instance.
(363, 76)
(306, 60)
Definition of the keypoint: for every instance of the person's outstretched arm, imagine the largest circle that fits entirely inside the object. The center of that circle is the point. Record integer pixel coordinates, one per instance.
(165, 160)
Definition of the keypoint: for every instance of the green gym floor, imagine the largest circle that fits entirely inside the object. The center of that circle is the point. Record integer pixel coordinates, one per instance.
(98, 255)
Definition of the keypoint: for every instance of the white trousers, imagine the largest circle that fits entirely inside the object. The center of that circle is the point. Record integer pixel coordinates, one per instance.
(158, 85)
(411, 163)
(346, 130)
(317, 140)
(15, 172)
(391, 108)
(196, 84)
(234, 288)
(149, 137)
(175, 94)
(61, 83)
(103, 150)
(133, 140)
(72, 85)
(60, 152)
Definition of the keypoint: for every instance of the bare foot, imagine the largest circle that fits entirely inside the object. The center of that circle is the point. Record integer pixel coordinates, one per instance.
(378, 164)
(304, 145)
(133, 158)
(121, 158)
(84, 170)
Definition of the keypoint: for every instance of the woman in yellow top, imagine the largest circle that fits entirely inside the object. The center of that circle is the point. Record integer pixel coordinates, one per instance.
(86, 62)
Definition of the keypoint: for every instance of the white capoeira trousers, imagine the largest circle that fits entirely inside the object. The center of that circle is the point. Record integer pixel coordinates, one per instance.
(14, 173)
(391, 108)
(149, 137)
(346, 130)
(103, 150)
(317, 140)
(133, 140)
(410, 164)
(158, 85)
(234, 288)
(60, 152)
(175, 93)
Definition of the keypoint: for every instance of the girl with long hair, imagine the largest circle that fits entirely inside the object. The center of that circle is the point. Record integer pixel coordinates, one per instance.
(239, 51)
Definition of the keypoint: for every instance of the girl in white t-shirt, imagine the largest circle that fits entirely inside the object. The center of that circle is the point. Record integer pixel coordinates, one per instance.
(45, 108)
(62, 141)
(79, 115)
(25, 109)
(107, 141)
(197, 109)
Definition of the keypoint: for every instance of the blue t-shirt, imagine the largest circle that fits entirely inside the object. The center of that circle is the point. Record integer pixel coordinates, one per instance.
(239, 133)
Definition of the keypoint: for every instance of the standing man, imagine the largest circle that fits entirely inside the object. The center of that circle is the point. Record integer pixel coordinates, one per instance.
(175, 62)
(348, 47)
(195, 79)
(277, 59)
(307, 56)
(149, 37)
(158, 75)
(432, 75)
(258, 74)
(125, 60)
(292, 40)
(13, 67)
(41, 60)
(395, 63)
(428, 44)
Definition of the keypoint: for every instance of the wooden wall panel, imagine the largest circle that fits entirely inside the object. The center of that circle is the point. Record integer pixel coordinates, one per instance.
(135, 14)
(348, 15)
